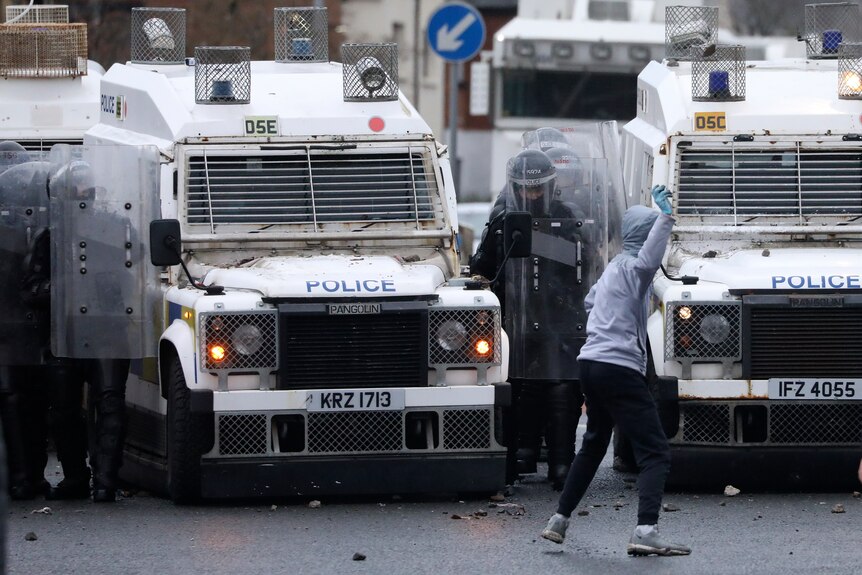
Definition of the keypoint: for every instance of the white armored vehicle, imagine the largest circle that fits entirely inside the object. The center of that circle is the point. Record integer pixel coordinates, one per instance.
(326, 344)
(755, 350)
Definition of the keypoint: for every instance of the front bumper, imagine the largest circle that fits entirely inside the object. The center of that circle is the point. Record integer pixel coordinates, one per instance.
(373, 474)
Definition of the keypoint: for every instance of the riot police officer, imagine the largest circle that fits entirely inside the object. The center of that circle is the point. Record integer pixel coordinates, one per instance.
(543, 312)
(106, 377)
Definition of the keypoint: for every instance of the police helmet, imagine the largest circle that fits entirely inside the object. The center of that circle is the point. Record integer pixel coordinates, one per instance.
(73, 180)
(12, 154)
(569, 168)
(532, 180)
(544, 139)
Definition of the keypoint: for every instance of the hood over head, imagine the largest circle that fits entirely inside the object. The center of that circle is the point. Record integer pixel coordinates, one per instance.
(637, 223)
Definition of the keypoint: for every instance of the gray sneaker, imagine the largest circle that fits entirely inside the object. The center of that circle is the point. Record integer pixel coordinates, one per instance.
(556, 528)
(647, 541)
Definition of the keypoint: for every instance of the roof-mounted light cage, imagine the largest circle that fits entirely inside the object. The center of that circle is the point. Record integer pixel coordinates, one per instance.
(850, 71)
(301, 35)
(222, 74)
(43, 50)
(719, 76)
(158, 35)
(688, 26)
(370, 72)
(828, 25)
(50, 14)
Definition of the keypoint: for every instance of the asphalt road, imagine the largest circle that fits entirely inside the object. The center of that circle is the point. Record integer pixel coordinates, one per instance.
(141, 533)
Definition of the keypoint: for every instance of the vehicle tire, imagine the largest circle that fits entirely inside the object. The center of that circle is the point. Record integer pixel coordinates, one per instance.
(184, 464)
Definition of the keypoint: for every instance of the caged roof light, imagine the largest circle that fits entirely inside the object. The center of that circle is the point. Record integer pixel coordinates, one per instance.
(850, 70)
(370, 72)
(222, 75)
(301, 35)
(688, 26)
(718, 73)
(158, 35)
(49, 14)
(828, 25)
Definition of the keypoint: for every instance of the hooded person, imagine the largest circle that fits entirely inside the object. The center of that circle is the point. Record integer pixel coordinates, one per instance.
(613, 366)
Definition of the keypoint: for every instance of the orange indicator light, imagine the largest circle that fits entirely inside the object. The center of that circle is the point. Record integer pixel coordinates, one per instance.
(483, 347)
(217, 353)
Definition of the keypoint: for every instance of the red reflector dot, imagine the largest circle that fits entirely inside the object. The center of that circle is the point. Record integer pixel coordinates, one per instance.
(376, 124)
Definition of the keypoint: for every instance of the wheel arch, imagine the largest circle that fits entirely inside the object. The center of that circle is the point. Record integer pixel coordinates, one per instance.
(177, 341)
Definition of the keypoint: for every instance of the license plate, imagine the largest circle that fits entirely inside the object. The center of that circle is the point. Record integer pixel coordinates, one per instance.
(803, 388)
(355, 400)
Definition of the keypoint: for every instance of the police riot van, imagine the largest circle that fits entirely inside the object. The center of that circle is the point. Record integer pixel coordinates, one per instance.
(49, 89)
(754, 334)
(316, 336)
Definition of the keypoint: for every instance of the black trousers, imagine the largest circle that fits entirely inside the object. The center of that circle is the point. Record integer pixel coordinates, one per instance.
(620, 395)
(107, 418)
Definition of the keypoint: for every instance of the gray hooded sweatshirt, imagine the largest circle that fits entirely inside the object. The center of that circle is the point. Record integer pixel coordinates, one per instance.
(617, 303)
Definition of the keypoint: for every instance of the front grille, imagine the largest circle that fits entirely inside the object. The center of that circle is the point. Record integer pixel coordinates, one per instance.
(818, 423)
(364, 432)
(388, 349)
(770, 423)
(803, 342)
(312, 186)
(242, 434)
(741, 183)
(705, 423)
(466, 429)
(248, 340)
(347, 433)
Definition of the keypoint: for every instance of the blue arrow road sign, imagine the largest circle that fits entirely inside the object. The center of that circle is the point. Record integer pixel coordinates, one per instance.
(456, 31)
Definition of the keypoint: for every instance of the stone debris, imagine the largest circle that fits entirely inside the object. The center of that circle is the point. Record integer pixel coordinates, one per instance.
(498, 497)
(480, 513)
(314, 504)
(838, 508)
(43, 511)
(731, 491)
(856, 495)
(619, 504)
(509, 508)
(583, 513)
(273, 507)
(30, 536)
(669, 507)
(358, 556)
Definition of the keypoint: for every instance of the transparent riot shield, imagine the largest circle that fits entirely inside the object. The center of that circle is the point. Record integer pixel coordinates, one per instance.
(23, 224)
(545, 316)
(103, 290)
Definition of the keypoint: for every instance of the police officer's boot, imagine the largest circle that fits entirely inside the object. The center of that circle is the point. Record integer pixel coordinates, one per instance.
(108, 386)
(67, 425)
(530, 423)
(562, 429)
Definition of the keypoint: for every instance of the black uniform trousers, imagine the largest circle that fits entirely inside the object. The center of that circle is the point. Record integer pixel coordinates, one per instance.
(620, 395)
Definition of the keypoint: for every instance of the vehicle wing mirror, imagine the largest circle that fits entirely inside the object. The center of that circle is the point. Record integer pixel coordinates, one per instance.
(165, 242)
(518, 234)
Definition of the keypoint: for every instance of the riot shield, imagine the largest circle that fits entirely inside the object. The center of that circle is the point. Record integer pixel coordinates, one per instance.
(103, 290)
(23, 220)
(545, 316)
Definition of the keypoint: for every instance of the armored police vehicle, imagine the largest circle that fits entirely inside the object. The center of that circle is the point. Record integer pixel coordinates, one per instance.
(754, 335)
(323, 341)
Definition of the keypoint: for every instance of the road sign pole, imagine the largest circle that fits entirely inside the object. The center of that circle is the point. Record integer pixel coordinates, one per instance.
(456, 32)
(453, 126)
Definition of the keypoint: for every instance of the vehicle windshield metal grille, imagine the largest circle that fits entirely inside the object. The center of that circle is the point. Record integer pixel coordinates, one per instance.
(804, 342)
(45, 145)
(745, 183)
(311, 186)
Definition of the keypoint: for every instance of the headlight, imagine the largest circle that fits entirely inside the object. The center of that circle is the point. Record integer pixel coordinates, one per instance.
(714, 328)
(246, 339)
(451, 335)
